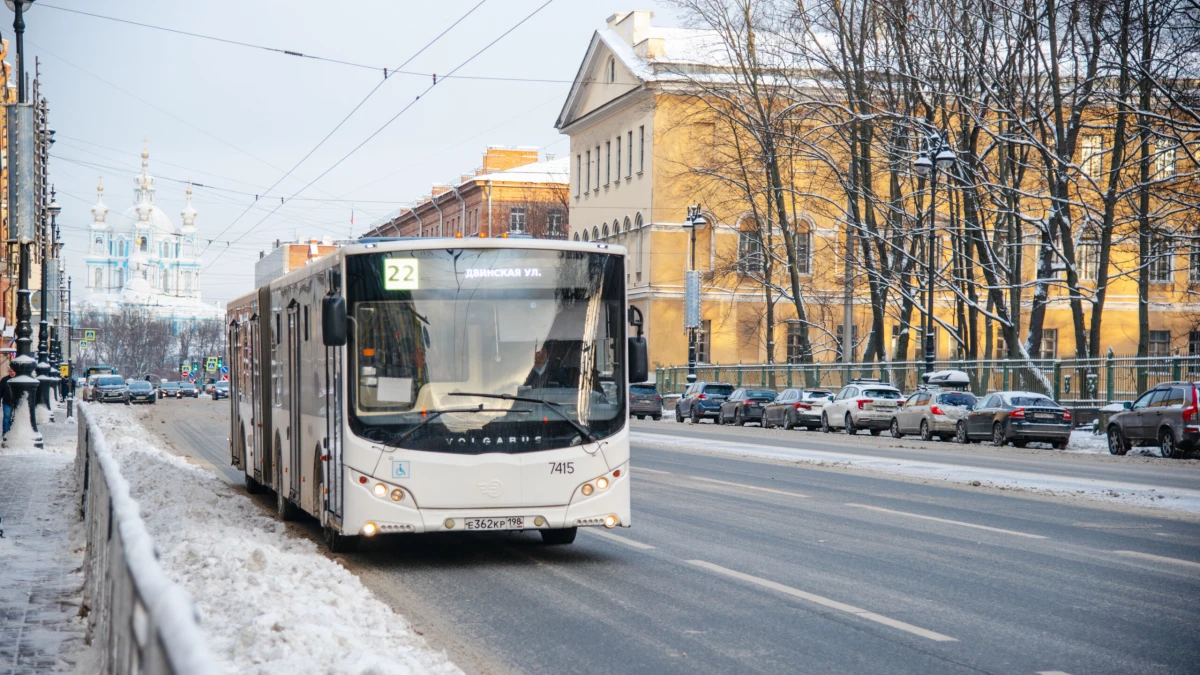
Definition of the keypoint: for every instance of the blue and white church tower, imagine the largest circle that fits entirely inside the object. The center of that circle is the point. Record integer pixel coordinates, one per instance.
(144, 259)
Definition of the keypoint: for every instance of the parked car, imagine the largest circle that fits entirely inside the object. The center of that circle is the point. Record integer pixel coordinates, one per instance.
(1167, 416)
(168, 390)
(862, 404)
(110, 389)
(932, 413)
(701, 400)
(645, 401)
(188, 389)
(745, 405)
(1019, 417)
(796, 408)
(219, 390)
(141, 391)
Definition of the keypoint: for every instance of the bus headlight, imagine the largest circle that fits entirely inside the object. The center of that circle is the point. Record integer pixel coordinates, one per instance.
(397, 494)
(611, 520)
(601, 483)
(587, 489)
(369, 529)
(380, 489)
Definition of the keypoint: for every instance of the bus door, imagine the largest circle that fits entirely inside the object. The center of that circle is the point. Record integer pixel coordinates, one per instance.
(334, 411)
(293, 398)
(233, 362)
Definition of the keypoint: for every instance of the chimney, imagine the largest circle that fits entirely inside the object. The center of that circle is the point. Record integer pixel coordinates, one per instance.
(549, 156)
(633, 27)
(261, 255)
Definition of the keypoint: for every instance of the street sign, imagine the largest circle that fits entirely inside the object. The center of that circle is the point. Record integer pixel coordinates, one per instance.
(210, 364)
(89, 334)
(224, 370)
(83, 345)
(64, 370)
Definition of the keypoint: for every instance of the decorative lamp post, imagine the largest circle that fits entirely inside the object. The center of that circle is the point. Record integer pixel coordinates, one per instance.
(943, 161)
(53, 209)
(695, 221)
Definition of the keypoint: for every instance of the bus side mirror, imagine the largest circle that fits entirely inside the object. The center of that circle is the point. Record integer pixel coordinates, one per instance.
(639, 360)
(333, 320)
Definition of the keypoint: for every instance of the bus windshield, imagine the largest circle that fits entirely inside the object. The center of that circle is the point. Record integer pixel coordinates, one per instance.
(430, 325)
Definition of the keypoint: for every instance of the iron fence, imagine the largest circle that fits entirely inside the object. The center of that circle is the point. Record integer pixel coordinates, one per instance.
(1076, 383)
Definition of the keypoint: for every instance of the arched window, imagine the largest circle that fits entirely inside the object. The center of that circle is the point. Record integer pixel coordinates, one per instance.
(637, 221)
(627, 226)
(585, 235)
(97, 278)
(143, 244)
(604, 232)
(616, 227)
(576, 236)
(612, 70)
(596, 232)
(98, 245)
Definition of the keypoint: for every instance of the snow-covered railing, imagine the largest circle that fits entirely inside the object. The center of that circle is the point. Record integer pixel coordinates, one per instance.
(139, 620)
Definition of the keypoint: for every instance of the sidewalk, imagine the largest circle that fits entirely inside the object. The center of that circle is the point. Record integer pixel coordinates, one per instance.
(41, 555)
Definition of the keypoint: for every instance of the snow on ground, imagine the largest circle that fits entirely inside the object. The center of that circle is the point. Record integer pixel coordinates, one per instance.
(1175, 499)
(271, 603)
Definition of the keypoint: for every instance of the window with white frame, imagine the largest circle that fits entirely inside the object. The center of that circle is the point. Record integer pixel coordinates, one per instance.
(1093, 159)
(618, 159)
(604, 231)
(1048, 349)
(516, 220)
(612, 70)
(1164, 158)
(607, 162)
(597, 166)
(1160, 343)
(1158, 266)
(1194, 264)
(795, 353)
(588, 185)
(1088, 258)
(704, 342)
(845, 354)
(641, 149)
(750, 252)
(803, 241)
(578, 174)
(629, 162)
(554, 224)
(98, 278)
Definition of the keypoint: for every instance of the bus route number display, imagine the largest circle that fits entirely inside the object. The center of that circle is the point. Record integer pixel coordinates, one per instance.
(400, 274)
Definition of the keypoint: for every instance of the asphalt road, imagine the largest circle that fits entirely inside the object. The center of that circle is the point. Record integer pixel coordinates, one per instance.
(737, 565)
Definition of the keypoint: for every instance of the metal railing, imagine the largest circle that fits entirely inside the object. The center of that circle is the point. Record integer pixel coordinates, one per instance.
(141, 620)
(1076, 383)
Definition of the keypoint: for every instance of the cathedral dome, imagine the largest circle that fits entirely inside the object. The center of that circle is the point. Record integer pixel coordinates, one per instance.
(145, 215)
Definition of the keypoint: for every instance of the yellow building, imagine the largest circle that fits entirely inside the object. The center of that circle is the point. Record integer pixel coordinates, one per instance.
(635, 131)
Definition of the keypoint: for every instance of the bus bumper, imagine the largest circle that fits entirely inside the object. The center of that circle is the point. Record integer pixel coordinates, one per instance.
(362, 506)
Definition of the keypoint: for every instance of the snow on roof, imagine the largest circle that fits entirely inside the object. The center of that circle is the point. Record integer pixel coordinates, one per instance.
(553, 171)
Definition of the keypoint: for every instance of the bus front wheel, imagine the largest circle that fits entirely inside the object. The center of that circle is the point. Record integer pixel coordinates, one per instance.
(564, 536)
(340, 543)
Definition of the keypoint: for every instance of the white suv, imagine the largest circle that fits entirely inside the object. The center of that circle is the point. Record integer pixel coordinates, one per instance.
(862, 404)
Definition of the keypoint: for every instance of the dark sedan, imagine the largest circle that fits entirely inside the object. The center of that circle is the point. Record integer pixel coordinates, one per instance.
(745, 405)
(1018, 417)
(188, 389)
(110, 389)
(142, 392)
(168, 390)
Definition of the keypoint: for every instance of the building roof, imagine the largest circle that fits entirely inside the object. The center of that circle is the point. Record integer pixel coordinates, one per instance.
(551, 171)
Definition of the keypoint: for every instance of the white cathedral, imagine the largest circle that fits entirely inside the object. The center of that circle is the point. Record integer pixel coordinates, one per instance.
(144, 259)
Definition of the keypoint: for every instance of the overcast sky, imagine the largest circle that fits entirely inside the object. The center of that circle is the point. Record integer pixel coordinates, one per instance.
(236, 119)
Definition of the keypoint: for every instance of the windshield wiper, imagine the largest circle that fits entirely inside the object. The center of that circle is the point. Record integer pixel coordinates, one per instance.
(582, 429)
(431, 415)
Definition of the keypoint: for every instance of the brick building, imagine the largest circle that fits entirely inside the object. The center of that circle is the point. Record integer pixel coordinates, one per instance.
(512, 192)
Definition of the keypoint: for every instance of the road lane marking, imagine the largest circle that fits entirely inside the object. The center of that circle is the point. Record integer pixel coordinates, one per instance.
(950, 522)
(825, 602)
(749, 487)
(642, 468)
(1158, 558)
(623, 540)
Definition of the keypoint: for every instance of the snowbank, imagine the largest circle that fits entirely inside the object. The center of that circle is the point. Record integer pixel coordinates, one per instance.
(272, 603)
(1175, 499)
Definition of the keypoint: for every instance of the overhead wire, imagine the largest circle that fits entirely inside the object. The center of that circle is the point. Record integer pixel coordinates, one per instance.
(406, 109)
(348, 116)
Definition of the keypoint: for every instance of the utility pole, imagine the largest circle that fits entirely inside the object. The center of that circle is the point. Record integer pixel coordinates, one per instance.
(22, 212)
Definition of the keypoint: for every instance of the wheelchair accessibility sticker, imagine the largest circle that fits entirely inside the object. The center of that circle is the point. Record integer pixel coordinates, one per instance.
(400, 468)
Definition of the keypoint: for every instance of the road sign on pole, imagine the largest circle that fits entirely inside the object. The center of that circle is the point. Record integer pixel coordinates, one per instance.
(89, 334)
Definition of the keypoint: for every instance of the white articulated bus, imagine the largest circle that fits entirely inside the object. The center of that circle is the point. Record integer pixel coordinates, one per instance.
(440, 385)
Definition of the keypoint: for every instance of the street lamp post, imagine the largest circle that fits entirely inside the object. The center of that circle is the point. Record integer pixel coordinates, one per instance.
(45, 379)
(943, 160)
(24, 384)
(70, 365)
(695, 221)
(52, 260)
